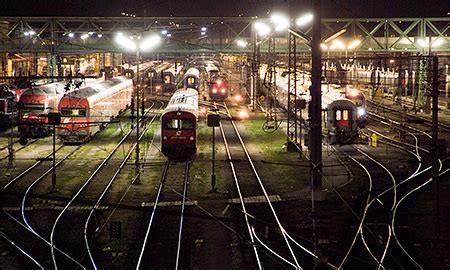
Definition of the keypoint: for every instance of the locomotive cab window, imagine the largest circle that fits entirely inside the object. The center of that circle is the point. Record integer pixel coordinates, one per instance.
(190, 80)
(338, 115)
(345, 115)
(33, 107)
(73, 112)
(178, 124)
(167, 79)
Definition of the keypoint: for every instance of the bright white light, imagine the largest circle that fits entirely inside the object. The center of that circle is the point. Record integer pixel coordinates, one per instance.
(281, 22)
(203, 33)
(241, 43)
(243, 114)
(31, 32)
(169, 35)
(438, 42)
(238, 98)
(150, 42)
(262, 28)
(203, 29)
(99, 35)
(71, 35)
(90, 33)
(337, 44)
(305, 19)
(26, 34)
(361, 111)
(164, 32)
(125, 42)
(355, 43)
(323, 46)
(422, 43)
(84, 36)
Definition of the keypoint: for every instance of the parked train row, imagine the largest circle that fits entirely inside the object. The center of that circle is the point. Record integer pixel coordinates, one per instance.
(344, 110)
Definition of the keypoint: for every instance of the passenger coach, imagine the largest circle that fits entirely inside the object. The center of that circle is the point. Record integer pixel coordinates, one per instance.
(96, 103)
(179, 124)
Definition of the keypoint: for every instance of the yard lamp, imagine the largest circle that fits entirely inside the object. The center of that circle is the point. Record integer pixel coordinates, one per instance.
(137, 45)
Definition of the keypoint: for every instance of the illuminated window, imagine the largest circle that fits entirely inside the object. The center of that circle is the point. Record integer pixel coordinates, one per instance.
(338, 115)
(167, 79)
(190, 80)
(345, 115)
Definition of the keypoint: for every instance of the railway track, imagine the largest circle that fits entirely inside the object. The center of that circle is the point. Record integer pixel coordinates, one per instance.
(166, 220)
(74, 227)
(379, 236)
(269, 245)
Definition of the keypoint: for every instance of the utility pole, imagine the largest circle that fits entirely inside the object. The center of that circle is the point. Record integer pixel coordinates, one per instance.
(136, 164)
(434, 136)
(315, 110)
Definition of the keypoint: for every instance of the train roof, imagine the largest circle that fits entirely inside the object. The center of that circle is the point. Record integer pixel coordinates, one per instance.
(47, 89)
(192, 71)
(185, 100)
(98, 88)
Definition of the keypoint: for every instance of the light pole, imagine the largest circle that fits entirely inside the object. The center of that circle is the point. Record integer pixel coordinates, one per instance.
(147, 43)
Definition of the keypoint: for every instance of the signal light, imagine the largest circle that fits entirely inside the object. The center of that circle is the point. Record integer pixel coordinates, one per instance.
(223, 90)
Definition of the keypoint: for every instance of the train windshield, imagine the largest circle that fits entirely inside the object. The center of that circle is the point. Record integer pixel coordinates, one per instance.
(73, 112)
(178, 124)
(167, 79)
(190, 80)
(27, 107)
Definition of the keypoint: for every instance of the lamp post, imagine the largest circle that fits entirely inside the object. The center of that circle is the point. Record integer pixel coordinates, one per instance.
(146, 44)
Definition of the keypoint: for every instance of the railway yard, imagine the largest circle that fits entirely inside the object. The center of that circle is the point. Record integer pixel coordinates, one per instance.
(139, 150)
(378, 208)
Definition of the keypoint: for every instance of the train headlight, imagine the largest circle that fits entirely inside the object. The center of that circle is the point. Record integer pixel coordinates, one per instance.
(223, 90)
(243, 114)
(361, 112)
(191, 138)
(214, 90)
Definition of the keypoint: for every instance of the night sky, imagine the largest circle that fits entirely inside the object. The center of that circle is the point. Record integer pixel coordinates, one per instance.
(331, 8)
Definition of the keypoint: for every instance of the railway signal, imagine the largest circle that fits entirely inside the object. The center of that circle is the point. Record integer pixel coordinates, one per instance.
(213, 120)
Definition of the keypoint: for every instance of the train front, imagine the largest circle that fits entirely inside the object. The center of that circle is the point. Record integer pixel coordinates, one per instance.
(218, 89)
(178, 126)
(34, 105)
(74, 126)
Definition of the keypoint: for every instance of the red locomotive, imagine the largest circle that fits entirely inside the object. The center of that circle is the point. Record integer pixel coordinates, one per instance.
(178, 125)
(34, 104)
(92, 105)
(218, 89)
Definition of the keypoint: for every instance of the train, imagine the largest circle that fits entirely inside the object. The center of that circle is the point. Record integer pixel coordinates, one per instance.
(218, 89)
(344, 113)
(34, 106)
(8, 107)
(9, 98)
(340, 124)
(85, 111)
(191, 78)
(179, 125)
(169, 77)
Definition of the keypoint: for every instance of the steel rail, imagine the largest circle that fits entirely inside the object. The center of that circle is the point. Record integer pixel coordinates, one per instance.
(99, 167)
(280, 226)
(241, 197)
(98, 202)
(180, 231)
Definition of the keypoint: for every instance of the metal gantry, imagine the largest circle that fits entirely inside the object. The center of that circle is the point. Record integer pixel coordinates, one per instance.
(292, 91)
(95, 34)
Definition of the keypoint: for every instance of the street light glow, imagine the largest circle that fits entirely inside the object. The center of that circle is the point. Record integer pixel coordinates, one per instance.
(337, 44)
(281, 22)
(71, 35)
(84, 36)
(305, 19)
(323, 46)
(125, 42)
(150, 42)
(241, 43)
(353, 44)
(262, 28)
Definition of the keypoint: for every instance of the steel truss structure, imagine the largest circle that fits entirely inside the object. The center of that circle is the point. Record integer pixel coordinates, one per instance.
(184, 34)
